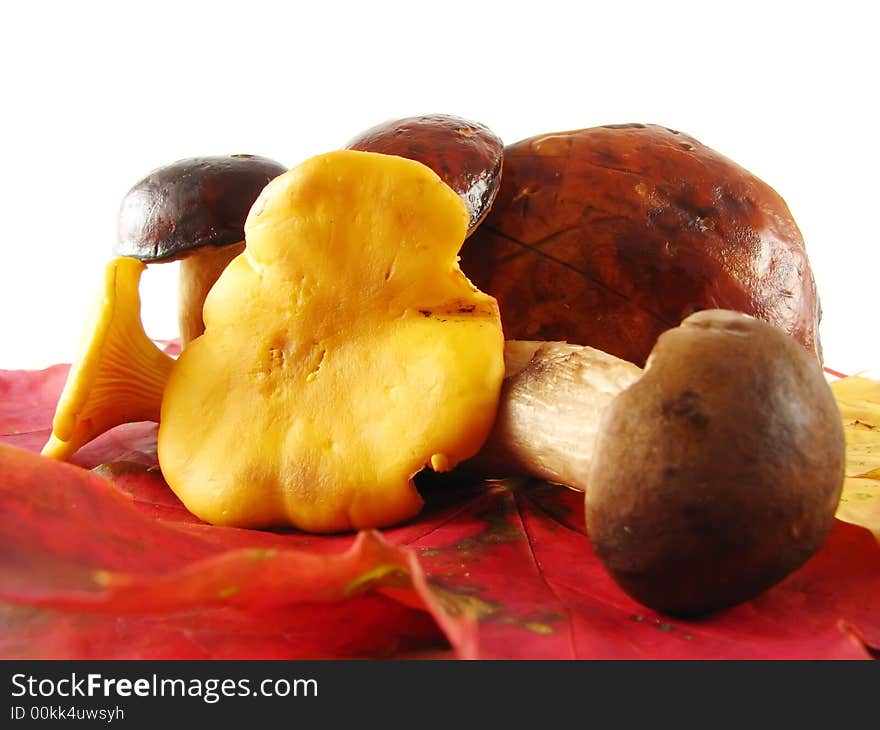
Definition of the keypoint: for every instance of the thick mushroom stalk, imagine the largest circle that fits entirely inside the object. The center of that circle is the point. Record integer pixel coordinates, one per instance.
(198, 273)
(552, 402)
(119, 375)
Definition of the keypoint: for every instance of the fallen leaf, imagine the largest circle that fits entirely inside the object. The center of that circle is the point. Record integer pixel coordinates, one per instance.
(85, 574)
(109, 564)
(859, 402)
(520, 552)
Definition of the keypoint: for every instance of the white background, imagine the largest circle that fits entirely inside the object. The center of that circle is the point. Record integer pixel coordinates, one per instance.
(94, 95)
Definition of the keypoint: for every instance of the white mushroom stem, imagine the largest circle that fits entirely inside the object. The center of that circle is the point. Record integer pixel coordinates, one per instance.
(198, 273)
(552, 403)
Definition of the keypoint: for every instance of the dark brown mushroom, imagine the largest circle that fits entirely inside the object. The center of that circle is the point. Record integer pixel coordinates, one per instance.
(611, 235)
(709, 476)
(193, 210)
(466, 155)
(718, 473)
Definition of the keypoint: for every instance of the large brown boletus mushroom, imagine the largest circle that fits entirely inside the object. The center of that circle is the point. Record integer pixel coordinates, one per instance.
(718, 473)
(466, 155)
(611, 235)
(193, 210)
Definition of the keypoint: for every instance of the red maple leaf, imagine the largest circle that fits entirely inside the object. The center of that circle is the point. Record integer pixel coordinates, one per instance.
(108, 564)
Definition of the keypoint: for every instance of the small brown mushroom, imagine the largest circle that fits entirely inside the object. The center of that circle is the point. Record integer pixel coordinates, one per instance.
(466, 155)
(709, 477)
(193, 210)
(719, 472)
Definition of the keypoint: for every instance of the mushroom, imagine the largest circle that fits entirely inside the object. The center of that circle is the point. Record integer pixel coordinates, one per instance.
(192, 210)
(343, 352)
(719, 472)
(611, 235)
(709, 477)
(118, 376)
(466, 155)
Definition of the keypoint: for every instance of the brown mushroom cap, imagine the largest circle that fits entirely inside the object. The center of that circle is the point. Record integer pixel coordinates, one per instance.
(466, 155)
(608, 236)
(717, 473)
(195, 202)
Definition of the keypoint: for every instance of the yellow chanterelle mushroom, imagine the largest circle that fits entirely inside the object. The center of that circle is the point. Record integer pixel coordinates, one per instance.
(344, 351)
(119, 374)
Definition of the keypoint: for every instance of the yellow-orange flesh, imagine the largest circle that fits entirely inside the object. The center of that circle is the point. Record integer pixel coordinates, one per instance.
(119, 374)
(344, 351)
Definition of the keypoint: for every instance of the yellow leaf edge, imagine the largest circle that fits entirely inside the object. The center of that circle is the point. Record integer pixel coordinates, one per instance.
(858, 399)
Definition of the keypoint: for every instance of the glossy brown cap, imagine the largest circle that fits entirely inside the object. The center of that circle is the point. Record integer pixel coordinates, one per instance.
(718, 473)
(195, 202)
(466, 155)
(608, 236)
